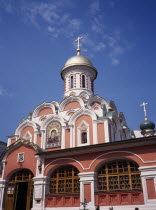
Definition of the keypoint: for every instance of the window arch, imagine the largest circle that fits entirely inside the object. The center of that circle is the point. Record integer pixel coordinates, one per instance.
(119, 175)
(83, 81)
(65, 180)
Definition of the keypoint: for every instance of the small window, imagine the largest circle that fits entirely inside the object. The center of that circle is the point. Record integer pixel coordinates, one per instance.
(71, 82)
(83, 137)
(83, 81)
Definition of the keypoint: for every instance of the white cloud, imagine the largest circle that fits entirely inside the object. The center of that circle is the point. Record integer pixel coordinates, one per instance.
(111, 4)
(100, 46)
(94, 7)
(56, 18)
(75, 23)
(3, 92)
(115, 61)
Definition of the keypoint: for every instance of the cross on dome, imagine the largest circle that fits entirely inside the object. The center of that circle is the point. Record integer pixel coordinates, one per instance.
(78, 44)
(145, 112)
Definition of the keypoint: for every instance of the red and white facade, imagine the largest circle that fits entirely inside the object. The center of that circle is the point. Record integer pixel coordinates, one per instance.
(86, 132)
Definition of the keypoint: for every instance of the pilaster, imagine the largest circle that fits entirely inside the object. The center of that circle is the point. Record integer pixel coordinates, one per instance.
(148, 175)
(87, 188)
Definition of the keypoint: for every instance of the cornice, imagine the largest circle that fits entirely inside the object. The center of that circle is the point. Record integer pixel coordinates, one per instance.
(104, 147)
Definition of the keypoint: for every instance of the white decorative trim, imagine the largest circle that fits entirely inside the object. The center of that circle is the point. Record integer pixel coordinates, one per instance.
(43, 106)
(95, 139)
(65, 159)
(118, 152)
(24, 124)
(53, 117)
(63, 138)
(44, 129)
(106, 131)
(72, 137)
(81, 112)
(2, 192)
(28, 138)
(96, 159)
(74, 117)
(69, 100)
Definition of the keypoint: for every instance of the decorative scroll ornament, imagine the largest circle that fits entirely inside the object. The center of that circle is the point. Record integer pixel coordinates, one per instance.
(53, 135)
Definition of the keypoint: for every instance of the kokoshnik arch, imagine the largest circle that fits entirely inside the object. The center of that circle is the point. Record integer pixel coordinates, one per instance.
(78, 149)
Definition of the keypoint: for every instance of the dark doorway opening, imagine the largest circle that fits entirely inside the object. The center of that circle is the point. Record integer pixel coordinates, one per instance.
(21, 197)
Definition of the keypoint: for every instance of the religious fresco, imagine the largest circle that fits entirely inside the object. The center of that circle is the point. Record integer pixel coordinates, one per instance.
(53, 135)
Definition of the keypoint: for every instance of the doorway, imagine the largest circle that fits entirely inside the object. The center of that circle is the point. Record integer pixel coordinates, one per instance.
(19, 192)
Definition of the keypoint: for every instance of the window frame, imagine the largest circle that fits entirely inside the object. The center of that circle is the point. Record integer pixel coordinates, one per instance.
(64, 180)
(83, 127)
(107, 182)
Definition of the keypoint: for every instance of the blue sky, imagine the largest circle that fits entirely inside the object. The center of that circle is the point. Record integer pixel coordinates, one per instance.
(37, 37)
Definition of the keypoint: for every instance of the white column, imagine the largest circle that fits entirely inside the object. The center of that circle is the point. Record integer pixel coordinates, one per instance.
(87, 178)
(35, 136)
(2, 193)
(106, 130)
(63, 138)
(40, 186)
(95, 141)
(9, 142)
(43, 139)
(4, 164)
(72, 136)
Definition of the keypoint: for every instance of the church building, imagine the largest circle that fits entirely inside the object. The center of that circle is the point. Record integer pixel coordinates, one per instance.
(80, 150)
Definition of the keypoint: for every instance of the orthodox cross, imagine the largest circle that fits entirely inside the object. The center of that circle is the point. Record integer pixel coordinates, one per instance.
(145, 113)
(78, 44)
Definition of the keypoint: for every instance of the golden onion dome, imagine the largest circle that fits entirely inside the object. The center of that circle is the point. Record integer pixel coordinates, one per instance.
(78, 60)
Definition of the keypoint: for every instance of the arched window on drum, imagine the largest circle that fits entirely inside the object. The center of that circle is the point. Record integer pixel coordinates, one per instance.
(83, 81)
(71, 82)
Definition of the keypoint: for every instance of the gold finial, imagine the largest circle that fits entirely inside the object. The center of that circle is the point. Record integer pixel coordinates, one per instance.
(78, 44)
(145, 112)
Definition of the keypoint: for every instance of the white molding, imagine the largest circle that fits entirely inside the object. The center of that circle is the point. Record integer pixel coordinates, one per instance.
(69, 100)
(81, 112)
(98, 158)
(95, 139)
(52, 118)
(43, 106)
(29, 134)
(98, 99)
(63, 138)
(64, 159)
(106, 131)
(24, 124)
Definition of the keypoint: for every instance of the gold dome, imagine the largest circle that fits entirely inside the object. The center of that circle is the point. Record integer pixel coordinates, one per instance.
(78, 60)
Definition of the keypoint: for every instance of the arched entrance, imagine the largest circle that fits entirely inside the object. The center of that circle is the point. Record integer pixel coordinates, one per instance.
(19, 191)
